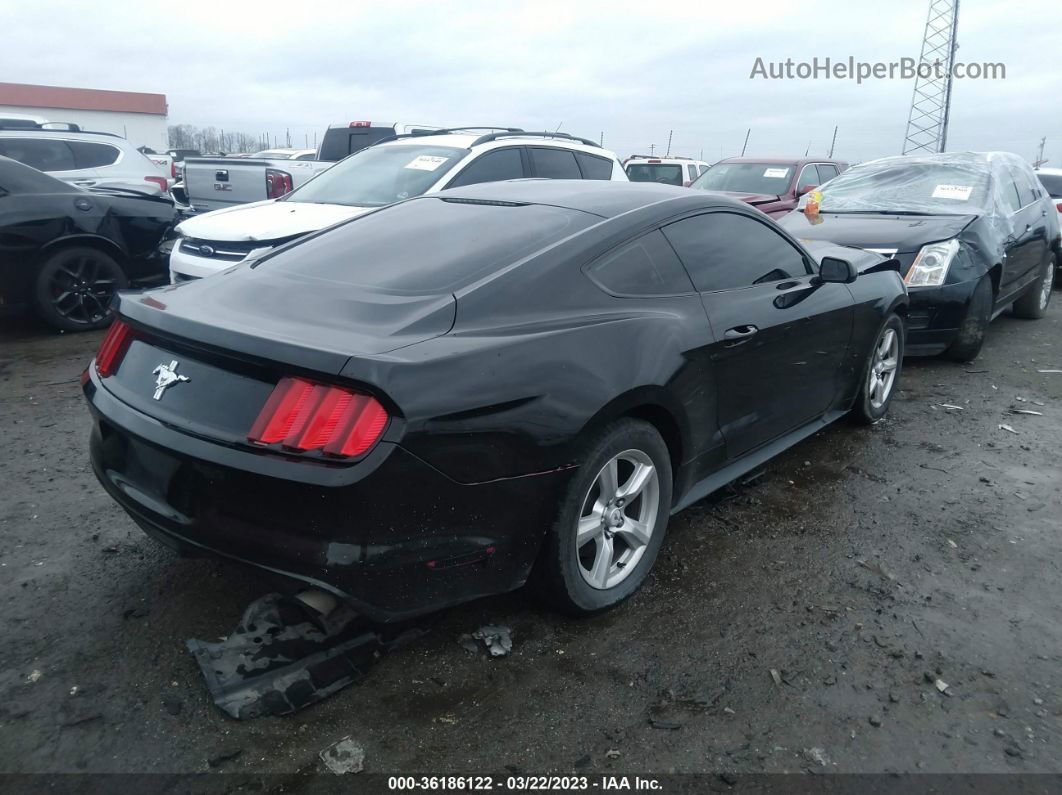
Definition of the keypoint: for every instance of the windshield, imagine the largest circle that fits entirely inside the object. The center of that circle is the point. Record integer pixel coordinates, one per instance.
(655, 172)
(379, 175)
(273, 155)
(768, 178)
(1052, 184)
(921, 187)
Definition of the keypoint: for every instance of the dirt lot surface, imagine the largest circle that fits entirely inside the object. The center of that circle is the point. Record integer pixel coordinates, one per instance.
(881, 599)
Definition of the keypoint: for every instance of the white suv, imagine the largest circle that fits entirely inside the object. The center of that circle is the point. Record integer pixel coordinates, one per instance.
(389, 171)
(87, 159)
(666, 170)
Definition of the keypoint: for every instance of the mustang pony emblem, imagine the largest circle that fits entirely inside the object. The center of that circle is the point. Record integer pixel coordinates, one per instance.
(167, 377)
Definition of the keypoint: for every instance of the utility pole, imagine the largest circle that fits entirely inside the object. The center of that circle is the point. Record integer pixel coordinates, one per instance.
(746, 144)
(834, 141)
(601, 139)
(1040, 157)
(927, 121)
(652, 149)
(669, 134)
(287, 137)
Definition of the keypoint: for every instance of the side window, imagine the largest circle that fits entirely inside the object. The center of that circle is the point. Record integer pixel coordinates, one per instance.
(645, 266)
(1027, 194)
(594, 167)
(43, 154)
(554, 163)
(493, 166)
(826, 172)
(703, 168)
(91, 155)
(726, 251)
(809, 175)
(1009, 192)
(692, 171)
(307, 156)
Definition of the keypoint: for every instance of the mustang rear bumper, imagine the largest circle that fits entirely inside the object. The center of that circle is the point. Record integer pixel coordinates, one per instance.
(392, 534)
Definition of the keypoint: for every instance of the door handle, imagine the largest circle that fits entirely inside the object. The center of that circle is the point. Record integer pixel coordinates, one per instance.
(739, 333)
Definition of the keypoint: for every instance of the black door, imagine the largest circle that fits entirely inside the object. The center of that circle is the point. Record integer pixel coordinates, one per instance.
(1026, 247)
(780, 337)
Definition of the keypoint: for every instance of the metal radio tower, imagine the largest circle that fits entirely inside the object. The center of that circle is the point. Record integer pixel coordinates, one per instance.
(927, 124)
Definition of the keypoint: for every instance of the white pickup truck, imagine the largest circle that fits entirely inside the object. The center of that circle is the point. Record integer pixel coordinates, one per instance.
(213, 183)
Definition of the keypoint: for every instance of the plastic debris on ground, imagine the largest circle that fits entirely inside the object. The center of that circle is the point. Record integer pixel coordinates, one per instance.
(286, 654)
(344, 756)
(497, 639)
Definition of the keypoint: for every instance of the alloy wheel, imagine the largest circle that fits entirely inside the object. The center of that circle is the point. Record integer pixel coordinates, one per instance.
(882, 377)
(617, 519)
(81, 291)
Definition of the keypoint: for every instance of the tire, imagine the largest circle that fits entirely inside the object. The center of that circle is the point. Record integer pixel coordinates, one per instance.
(74, 288)
(881, 373)
(621, 540)
(1034, 302)
(974, 326)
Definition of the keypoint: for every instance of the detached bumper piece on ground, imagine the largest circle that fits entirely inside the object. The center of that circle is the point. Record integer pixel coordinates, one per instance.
(285, 655)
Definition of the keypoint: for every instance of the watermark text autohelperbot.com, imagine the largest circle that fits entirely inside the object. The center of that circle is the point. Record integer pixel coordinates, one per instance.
(851, 69)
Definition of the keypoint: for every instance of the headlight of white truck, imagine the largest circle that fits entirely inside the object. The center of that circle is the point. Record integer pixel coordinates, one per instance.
(930, 267)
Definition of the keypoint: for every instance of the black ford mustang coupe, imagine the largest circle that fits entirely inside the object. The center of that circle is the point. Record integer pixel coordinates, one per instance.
(451, 395)
(65, 252)
(974, 232)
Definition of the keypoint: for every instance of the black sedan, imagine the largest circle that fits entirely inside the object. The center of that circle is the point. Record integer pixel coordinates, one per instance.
(65, 252)
(975, 233)
(451, 395)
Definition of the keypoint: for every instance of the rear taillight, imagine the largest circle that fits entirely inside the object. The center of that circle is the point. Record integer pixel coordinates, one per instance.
(360, 124)
(277, 183)
(160, 181)
(305, 416)
(113, 348)
(1059, 207)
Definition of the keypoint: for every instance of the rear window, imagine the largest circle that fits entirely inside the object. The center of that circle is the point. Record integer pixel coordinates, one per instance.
(380, 175)
(655, 172)
(428, 246)
(771, 179)
(339, 142)
(1052, 184)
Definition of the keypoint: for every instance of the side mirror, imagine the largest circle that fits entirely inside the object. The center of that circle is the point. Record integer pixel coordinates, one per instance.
(837, 271)
(805, 189)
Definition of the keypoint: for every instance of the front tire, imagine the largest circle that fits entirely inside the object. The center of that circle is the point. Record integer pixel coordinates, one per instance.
(974, 325)
(1033, 304)
(74, 288)
(881, 373)
(611, 522)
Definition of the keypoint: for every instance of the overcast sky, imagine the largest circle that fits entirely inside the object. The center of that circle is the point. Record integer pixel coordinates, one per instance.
(629, 71)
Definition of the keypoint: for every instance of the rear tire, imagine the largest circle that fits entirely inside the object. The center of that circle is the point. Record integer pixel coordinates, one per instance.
(974, 325)
(881, 373)
(1033, 304)
(74, 288)
(611, 522)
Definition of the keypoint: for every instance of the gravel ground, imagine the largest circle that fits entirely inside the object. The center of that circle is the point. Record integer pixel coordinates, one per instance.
(799, 622)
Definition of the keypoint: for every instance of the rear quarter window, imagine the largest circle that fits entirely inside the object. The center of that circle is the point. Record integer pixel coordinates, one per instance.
(92, 155)
(646, 266)
(594, 167)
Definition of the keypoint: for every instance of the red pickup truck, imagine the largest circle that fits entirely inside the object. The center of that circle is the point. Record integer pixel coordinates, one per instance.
(770, 184)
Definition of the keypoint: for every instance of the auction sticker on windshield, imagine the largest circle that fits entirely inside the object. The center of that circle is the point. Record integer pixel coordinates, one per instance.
(960, 192)
(776, 172)
(426, 162)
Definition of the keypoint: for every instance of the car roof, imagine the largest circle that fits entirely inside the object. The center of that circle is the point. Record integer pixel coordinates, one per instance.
(1055, 172)
(600, 197)
(780, 160)
(104, 137)
(654, 160)
(466, 140)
